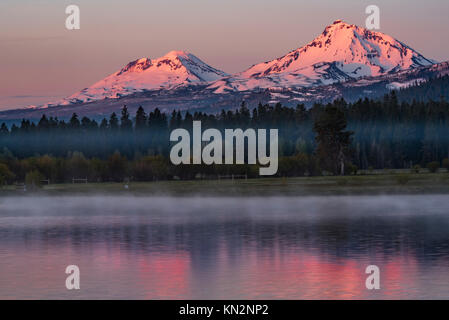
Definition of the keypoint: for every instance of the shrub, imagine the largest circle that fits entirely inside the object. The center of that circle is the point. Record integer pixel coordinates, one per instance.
(77, 165)
(150, 168)
(6, 176)
(351, 169)
(433, 166)
(46, 165)
(33, 179)
(313, 167)
(98, 170)
(117, 167)
(446, 164)
(293, 166)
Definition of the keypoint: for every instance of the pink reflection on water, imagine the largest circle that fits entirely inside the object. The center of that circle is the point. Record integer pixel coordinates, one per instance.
(303, 274)
(36, 270)
(165, 276)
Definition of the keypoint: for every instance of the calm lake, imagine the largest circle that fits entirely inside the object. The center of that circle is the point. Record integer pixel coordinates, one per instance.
(224, 247)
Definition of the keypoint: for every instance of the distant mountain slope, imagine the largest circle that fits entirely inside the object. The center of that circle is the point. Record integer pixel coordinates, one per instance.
(342, 52)
(424, 83)
(174, 69)
(344, 61)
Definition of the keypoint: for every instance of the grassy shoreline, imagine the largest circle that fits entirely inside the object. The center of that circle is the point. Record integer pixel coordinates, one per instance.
(373, 184)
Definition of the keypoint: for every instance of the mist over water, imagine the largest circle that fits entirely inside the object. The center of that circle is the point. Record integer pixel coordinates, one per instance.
(224, 247)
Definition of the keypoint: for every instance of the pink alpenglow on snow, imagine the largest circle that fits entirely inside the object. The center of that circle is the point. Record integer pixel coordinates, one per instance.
(343, 51)
(174, 69)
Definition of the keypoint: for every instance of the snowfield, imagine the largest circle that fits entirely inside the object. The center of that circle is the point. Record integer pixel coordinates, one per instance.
(342, 52)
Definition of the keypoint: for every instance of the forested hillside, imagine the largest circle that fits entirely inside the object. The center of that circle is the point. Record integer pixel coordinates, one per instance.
(386, 134)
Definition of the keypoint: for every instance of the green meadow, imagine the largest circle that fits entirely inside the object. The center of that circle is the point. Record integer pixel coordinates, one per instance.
(376, 183)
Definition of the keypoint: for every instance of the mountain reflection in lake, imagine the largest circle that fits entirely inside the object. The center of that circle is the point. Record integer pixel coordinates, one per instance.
(224, 248)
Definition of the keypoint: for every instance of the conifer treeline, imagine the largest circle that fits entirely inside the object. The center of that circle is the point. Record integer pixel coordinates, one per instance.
(430, 89)
(387, 134)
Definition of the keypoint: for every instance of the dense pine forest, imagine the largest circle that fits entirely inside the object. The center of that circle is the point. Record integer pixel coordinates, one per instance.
(430, 89)
(377, 134)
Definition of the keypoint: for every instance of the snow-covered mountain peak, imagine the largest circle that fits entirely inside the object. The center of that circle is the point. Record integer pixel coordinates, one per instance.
(138, 65)
(174, 69)
(354, 50)
(174, 54)
(339, 24)
(341, 52)
(173, 61)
